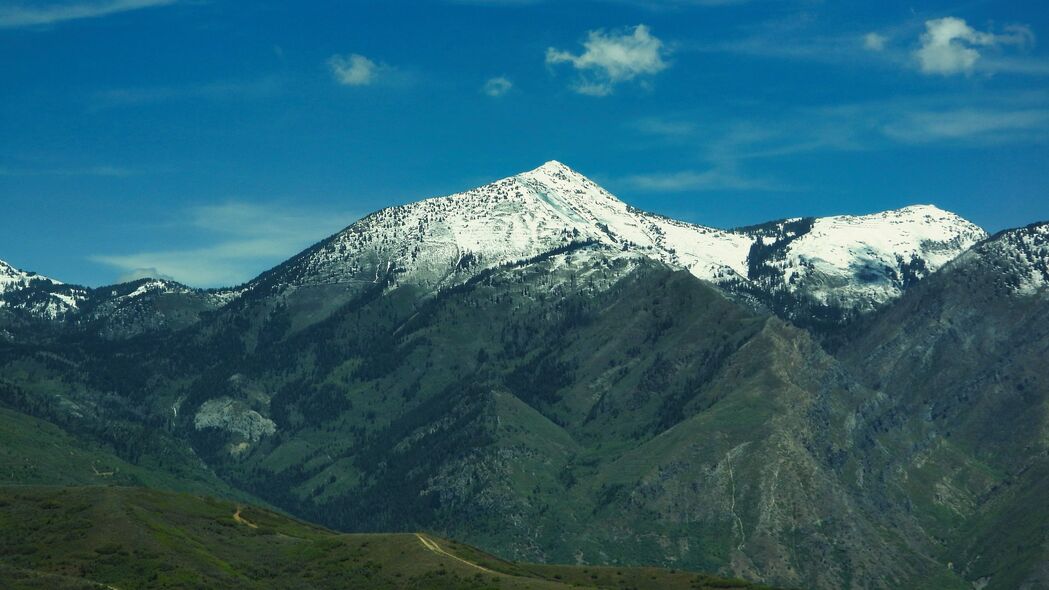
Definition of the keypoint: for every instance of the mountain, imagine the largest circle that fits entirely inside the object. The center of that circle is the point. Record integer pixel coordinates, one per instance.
(816, 271)
(587, 405)
(117, 311)
(832, 267)
(961, 359)
(538, 369)
(812, 271)
(36, 295)
(112, 537)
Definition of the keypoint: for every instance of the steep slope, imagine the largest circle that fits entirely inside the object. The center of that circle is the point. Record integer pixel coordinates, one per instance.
(962, 358)
(586, 405)
(136, 538)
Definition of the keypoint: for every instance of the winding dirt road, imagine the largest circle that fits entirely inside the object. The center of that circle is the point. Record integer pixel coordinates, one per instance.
(431, 545)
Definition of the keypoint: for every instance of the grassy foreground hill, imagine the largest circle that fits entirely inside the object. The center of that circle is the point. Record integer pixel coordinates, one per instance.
(120, 537)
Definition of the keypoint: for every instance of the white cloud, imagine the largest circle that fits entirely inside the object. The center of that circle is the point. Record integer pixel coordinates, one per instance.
(143, 273)
(354, 69)
(874, 42)
(613, 58)
(242, 239)
(40, 15)
(734, 151)
(497, 86)
(948, 46)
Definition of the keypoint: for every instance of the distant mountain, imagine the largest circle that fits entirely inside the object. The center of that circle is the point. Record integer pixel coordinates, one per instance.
(116, 311)
(36, 295)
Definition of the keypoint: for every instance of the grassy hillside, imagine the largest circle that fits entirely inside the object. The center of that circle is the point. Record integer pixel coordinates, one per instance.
(115, 537)
(37, 452)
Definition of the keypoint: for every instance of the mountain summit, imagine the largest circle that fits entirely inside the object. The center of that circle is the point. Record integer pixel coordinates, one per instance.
(839, 265)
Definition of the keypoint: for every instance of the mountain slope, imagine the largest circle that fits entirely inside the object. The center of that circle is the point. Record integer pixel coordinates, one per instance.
(538, 368)
(962, 358)
(588, 404)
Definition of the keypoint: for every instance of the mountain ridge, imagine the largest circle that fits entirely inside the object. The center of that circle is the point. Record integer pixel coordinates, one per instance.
(834, 267)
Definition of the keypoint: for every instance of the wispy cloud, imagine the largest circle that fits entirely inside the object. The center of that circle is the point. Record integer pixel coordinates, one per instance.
(239, 240)
(214, 90)
(983, 125)
(945, 120)
(874, 41)
(731, 151)
(42, 13)
(98, 170)
(496, 87)
(611, 58)
(803, 38)
(356, 70)
(649, 4)
(664, 127)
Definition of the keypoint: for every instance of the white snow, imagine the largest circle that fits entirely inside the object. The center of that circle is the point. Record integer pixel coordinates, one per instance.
(828, 260)
(512, 219)
(443, 240)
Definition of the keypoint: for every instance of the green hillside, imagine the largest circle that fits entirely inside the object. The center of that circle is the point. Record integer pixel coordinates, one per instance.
(113, 537)
(37, 452)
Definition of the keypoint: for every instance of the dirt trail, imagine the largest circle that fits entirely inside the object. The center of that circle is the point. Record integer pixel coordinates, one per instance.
(431, 545)
(240, 519)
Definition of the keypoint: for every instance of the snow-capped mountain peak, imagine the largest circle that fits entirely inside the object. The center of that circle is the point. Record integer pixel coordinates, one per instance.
(39, 295)
(845, 262)
(11, 277)
(850, 261)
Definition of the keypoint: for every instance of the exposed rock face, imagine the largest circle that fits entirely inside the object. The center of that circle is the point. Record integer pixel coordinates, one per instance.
(233, 417)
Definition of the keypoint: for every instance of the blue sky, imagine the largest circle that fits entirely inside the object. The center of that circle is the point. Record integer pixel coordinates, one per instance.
(207, 140)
